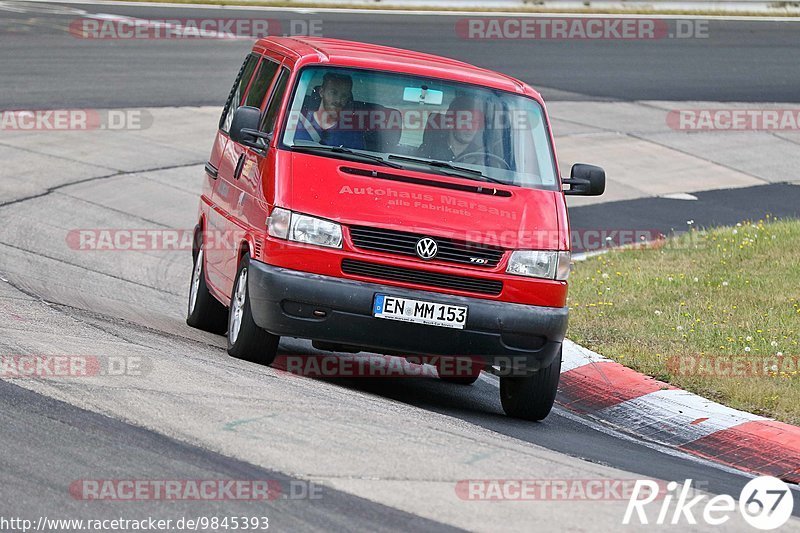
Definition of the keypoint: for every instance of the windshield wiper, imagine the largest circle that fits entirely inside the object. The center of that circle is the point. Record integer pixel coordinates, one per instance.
(462, 172)
(342, 150)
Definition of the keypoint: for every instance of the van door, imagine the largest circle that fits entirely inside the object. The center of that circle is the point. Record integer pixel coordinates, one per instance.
(258, 179)
(237, 161)
(215, 222)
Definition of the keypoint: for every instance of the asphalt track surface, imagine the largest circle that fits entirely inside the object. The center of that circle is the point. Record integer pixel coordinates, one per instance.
(28, 418)
(666, 216)
(54, 442)
(738, 61)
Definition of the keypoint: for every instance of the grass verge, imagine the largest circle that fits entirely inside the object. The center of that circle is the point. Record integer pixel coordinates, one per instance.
(714, 312)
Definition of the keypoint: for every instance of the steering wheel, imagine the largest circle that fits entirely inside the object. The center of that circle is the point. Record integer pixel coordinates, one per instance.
(483, 155)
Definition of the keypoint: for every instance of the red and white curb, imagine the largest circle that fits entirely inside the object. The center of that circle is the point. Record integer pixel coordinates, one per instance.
(650, 409)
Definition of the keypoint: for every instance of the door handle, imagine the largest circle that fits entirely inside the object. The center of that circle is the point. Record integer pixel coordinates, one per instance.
(239, 166)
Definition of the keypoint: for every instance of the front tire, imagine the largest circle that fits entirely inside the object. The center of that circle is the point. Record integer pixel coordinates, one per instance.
(245, 339)
(531, 397)
(204, 311)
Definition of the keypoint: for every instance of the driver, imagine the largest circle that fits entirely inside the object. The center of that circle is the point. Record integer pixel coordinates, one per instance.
(328, 124)
(456, 135)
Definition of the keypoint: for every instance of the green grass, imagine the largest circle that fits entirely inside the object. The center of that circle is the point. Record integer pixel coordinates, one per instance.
(523, 9)
(731, 293)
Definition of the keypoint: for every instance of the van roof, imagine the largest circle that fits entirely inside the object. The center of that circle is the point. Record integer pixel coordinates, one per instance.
(310, 50)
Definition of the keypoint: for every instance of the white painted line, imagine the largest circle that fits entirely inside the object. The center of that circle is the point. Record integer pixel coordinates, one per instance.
(598, 425)
(575, 356)
(583, 256)
(47, 9)
(673, 417)
(661, 448)
(679, 196)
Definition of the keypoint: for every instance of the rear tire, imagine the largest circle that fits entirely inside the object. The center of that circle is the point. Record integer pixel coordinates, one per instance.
(531, 397)
(245, 339)
(452, 371)
(204, 311)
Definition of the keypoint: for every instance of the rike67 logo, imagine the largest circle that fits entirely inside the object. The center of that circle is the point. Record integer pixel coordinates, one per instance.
(765, 503)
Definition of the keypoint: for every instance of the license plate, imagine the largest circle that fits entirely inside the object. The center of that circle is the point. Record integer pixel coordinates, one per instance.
(419, 312)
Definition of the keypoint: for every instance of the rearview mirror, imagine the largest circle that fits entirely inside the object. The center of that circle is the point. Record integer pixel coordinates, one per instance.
(585, 180)
(244, 128)
(423, 95)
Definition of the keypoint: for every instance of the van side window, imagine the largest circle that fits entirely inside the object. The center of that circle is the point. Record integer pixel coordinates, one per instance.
(237, 91)
(268, 122)
(262, 82)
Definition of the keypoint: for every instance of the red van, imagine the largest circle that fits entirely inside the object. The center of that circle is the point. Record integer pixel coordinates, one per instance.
(388, 201)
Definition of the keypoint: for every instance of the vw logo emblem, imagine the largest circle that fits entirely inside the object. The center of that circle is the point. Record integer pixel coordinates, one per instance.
(427, 248)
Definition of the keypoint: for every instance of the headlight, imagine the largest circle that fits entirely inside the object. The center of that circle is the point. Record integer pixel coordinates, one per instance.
(312, 230)
(539, 264)
(297, 227)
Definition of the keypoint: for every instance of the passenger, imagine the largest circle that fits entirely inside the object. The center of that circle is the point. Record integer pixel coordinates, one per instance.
(325, 125)
(457, 133)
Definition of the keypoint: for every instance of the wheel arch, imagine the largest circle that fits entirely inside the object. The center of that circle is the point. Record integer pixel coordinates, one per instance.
(197, 237)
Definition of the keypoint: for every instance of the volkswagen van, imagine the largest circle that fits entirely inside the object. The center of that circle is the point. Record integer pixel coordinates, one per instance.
(392, 202)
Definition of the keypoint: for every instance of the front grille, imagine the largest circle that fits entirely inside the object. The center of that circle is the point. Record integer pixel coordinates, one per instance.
(421, 277)
(404, 243)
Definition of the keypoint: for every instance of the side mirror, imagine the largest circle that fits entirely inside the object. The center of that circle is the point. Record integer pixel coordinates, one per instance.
(585, 180)
(244, 128)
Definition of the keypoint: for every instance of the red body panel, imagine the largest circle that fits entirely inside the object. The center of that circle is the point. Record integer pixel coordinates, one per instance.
(320, 186)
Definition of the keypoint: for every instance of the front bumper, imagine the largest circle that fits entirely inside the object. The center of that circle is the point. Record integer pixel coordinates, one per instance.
(284, 303)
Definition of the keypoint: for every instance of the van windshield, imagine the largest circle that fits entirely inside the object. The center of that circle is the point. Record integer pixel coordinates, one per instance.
(425, 124)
